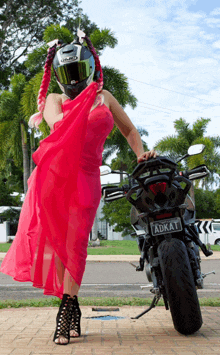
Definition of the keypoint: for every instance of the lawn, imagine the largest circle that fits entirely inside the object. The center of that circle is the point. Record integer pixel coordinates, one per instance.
(109, 247)
(115, 247)
(98, 301)
(215, 247)
(4, 247)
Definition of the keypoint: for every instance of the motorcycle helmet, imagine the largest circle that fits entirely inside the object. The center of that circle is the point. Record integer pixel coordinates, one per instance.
(74, 68)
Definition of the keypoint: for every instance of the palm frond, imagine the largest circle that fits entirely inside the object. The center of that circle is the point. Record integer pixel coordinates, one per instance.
(5, 142)
(102, 39)
(117, 84)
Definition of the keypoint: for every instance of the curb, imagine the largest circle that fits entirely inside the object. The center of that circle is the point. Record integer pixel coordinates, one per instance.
(128, 258)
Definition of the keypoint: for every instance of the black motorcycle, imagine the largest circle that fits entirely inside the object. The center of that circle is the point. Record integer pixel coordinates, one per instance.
(163, 217)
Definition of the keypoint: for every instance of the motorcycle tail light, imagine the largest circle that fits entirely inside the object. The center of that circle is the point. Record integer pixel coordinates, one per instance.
(164, 215)
(158, 187)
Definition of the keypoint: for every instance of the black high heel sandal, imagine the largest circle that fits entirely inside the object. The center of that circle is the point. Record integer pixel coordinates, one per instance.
(76, 316)
(63, 319)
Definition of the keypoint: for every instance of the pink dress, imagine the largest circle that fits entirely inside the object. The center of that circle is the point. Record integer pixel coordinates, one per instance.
(63, 195)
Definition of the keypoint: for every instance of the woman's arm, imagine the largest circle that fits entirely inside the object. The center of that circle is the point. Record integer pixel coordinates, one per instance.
(126, 127)
(53, 110)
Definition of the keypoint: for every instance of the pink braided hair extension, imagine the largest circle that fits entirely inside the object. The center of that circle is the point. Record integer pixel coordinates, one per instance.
(36, 119)
(97, 63)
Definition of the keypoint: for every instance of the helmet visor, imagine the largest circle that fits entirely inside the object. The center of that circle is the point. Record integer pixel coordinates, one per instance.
(72, 73)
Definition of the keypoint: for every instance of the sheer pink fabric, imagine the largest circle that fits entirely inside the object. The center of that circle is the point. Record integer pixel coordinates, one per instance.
(63, 195)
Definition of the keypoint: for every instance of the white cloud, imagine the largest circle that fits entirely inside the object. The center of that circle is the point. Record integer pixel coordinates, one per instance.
(207, 36)
(216, 44)
(215, 12)
(164, 45)
(213, 22)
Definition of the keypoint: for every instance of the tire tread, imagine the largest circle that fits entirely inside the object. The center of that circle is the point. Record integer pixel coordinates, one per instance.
(180, 286)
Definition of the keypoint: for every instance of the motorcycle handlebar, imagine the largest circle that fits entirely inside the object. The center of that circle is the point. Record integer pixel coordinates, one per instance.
(202, 169)
(111, 193)
(110, 190)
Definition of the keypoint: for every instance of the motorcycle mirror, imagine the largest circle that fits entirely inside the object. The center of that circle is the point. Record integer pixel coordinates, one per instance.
(105, 170)
(196, 149)
(193, 150)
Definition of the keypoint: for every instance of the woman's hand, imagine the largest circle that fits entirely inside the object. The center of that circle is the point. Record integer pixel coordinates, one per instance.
(146, 155)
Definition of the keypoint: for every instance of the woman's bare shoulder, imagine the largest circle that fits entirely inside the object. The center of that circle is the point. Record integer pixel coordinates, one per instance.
(108, 97)
(106, 94)
(56, 98)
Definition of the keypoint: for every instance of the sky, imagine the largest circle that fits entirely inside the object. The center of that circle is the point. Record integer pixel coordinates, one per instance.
(170, 52)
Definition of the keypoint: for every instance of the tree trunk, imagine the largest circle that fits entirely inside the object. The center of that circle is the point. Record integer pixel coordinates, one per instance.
(32, 139)
(95, 228)
(26, 166)
(123, 167)
(121, 177)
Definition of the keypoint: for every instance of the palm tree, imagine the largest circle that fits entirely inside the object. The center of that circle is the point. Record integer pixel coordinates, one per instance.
(125, 159)
(14, 140)
(177, 145)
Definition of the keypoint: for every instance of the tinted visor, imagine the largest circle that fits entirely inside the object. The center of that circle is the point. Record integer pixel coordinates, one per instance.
(73, 73)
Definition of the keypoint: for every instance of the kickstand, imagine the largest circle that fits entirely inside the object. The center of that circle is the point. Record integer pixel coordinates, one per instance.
(153, 304)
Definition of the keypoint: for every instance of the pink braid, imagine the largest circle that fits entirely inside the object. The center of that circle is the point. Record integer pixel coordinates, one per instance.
(36, 119)
(97, 63)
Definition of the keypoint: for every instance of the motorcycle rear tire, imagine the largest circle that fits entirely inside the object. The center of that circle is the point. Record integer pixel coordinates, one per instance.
(180, 287)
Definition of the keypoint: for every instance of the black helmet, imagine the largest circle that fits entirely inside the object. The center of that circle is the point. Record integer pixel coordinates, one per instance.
(74, 67)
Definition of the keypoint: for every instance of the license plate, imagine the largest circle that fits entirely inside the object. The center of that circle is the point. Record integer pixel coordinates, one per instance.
(164, 226)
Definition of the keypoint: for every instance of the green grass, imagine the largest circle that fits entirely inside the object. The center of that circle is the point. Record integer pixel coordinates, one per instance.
(215, 247)
(4, 247)
(102, 301)
(115, 247)
(109, 247)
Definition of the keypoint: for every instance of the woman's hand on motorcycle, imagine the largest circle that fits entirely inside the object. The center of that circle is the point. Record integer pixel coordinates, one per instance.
(146, 155)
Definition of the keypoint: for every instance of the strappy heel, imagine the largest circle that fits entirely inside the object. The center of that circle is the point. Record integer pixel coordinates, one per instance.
(76, 316)
(63, 319)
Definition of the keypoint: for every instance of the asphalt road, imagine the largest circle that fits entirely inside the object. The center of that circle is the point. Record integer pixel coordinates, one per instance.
(109, 279)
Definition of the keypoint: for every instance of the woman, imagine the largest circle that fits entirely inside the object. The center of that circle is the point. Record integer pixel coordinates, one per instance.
(64, 190)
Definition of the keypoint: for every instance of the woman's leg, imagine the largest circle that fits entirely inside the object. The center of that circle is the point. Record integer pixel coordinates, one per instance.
(70, 288)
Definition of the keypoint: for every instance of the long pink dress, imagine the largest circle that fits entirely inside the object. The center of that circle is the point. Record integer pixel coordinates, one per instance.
(63, 195)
